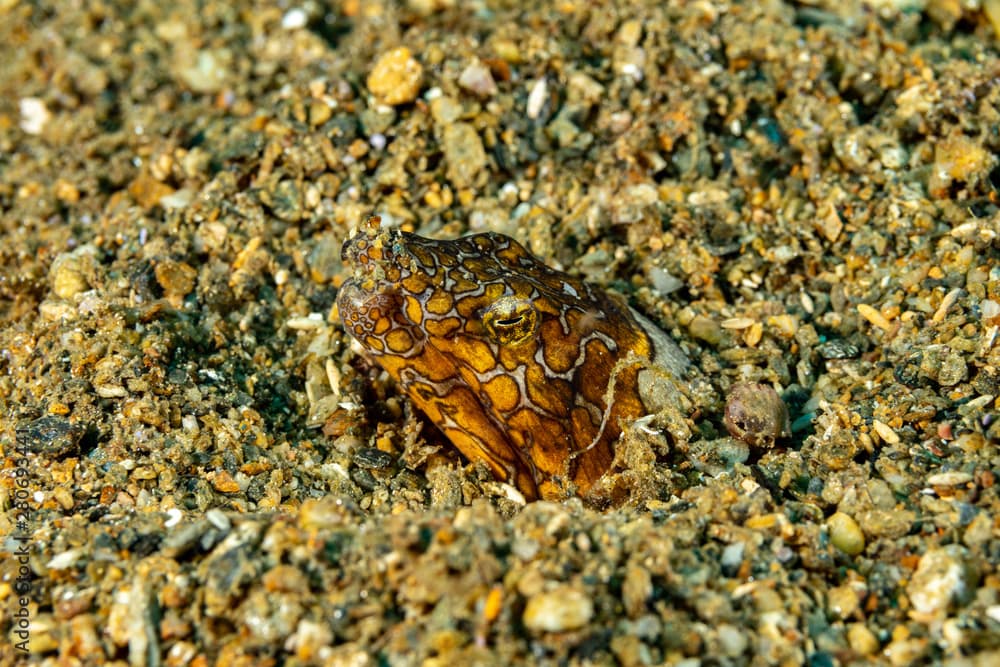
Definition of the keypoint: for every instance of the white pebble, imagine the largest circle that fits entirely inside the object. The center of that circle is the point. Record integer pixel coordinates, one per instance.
(65, 559)
(294, 19)
(174, 517)
(218, 519)
(558, 610)
(190, 423)
(942, 577)
(34, 115)
(477, 78)
(536, 98)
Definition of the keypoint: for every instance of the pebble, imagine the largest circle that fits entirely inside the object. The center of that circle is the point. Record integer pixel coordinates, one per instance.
(958, 158)
(51, 436)
(732, 640)
(537, 98)
(476, 78)
(219, 520)
(223, 482)
(177, 200)
(830, 226)
(874, 317)
(885, 432)
(862, 640)
(950, 478)
(372, 458)
(706, 329)
(561, 609)
(445, 110)
(395, 79)
(311, 640)
(906, 651)
(44, 635)
(979, 532)
(35, 115)
(286, 200)
(636, 589)
(147, 191)
(87, 645)
(68, 193)
(732, 557)
(176, 278)
(990, 311)
(842, 601)
(70, 271)
(838, 348)
(294, 19)
(464, 153)
(204, 71)
(285, 579)
(942, 577)
(846, 534)
(65, 560)
(663, 282)
(943, 364)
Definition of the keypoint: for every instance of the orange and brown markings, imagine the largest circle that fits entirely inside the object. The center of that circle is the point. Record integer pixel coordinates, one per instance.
(515, 362)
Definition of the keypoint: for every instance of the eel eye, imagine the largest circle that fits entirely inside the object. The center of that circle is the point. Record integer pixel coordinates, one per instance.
(511, 321)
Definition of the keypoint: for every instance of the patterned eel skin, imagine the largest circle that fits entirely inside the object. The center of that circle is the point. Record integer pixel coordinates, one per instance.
(523, 367)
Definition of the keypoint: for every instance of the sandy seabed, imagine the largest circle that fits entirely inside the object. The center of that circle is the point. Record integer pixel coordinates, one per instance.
(198, 468)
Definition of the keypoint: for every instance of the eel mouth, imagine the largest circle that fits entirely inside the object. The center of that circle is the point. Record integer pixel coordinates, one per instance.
(369, 308)
(368, 301)
(353, 302)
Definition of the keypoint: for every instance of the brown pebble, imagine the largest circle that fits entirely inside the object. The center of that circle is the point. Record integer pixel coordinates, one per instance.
(176, 278)
(66, 192)
(147, 191)
(73, 603)
(285, 579)
(223, 482)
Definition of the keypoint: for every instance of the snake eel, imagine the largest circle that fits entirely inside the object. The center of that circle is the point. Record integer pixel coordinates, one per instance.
(518, 364)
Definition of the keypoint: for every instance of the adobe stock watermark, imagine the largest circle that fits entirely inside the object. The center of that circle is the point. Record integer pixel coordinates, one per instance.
(20, 634)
